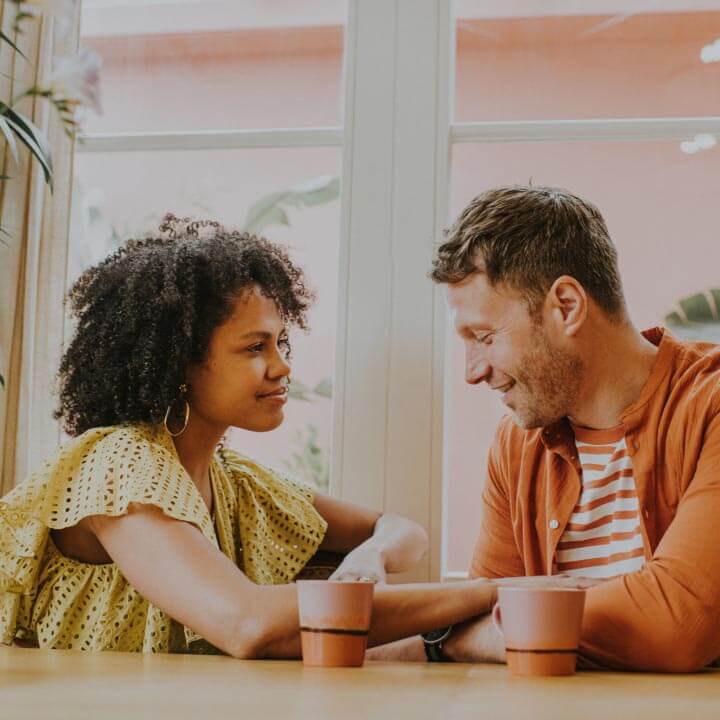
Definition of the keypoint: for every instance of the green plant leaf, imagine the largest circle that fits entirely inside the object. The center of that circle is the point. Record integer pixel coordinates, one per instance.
(715, 293)
(31, 137)
(697, 308)
(270, 210)
(268, 214)
(700, 307)
(309, 462)
(298, 390)
(4, 234)
(673, 318)
(7, 132)
(324, 388)
(9, 41)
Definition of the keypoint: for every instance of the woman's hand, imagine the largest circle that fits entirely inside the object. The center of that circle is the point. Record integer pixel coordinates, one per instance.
(375, 543)
(364, 563)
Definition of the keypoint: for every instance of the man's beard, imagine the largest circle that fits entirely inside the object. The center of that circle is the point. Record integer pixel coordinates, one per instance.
(548, 381)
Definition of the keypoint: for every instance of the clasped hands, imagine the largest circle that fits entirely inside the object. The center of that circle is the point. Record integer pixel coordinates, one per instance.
(478, 640)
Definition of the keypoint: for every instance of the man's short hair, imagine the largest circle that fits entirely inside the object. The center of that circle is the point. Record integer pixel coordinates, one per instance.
(527, 237)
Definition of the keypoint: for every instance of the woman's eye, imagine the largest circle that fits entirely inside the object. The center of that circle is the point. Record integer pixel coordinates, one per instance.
(485, 339)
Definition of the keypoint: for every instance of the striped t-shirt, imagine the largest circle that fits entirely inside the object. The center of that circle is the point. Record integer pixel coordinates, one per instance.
(602, 538)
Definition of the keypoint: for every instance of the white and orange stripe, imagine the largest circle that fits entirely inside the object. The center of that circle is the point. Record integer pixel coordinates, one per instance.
(603, 537)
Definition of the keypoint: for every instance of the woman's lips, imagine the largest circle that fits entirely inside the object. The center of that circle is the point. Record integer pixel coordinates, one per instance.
(278, 397)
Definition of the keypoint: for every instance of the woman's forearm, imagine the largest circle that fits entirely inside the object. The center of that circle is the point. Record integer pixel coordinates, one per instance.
(399, 611)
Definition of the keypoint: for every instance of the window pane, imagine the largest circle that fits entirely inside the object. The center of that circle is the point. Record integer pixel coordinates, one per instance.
(661, 208)
(123, 194)
(198, 65)
(582, 60)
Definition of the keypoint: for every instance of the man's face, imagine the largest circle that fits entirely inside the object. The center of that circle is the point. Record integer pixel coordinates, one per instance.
(511, 351)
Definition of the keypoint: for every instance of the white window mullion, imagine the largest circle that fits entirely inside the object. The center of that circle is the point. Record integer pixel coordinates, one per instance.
(210, 139)
(584, 130)
(394, 201)
(366, 208)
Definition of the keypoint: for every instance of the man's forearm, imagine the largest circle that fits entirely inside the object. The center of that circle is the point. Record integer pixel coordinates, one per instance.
(475, 641)
(410, 649)
(405, 610)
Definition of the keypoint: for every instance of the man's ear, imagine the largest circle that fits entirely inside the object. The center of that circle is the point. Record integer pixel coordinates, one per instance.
(567, 304)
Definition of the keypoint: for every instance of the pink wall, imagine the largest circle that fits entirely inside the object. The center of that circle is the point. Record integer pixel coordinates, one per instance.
(570, 67)
(234, 79)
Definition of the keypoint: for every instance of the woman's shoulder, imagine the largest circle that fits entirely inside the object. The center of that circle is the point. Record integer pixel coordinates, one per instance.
(128, 437)
(131, 446)
(102, 472)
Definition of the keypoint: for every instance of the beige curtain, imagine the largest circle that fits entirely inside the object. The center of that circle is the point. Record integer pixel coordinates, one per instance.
(33, 261)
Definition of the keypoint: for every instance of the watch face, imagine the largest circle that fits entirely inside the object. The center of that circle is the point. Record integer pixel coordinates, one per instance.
(435, 635)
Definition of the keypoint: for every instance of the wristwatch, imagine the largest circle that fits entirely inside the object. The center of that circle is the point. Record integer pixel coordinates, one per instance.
(433, 641)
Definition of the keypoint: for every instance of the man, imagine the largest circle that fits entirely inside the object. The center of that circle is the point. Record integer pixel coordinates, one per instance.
(608, 464)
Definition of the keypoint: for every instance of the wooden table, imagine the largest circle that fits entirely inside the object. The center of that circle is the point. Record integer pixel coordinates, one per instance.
(54, 684)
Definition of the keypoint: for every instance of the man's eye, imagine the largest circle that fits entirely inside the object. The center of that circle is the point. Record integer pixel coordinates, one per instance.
(259, 347)
(485, 338)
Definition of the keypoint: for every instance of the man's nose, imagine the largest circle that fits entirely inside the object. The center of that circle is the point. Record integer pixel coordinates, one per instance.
(477, 370)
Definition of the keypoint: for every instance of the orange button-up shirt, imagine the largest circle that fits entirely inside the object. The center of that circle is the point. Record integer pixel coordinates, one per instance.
(666, 616)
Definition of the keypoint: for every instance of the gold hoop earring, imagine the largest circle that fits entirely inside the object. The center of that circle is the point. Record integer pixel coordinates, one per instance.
(183, 389)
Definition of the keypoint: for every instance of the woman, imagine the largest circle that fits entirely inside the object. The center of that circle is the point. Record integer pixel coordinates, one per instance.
(145, 535)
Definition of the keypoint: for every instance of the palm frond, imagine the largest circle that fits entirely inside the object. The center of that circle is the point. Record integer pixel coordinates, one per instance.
(701, 307)
(298, 390)
(324, 388)
(9, 41)
(10, 138)
(31, 137)
(271, 209)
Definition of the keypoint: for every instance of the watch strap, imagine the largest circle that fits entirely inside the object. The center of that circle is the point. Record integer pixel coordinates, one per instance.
(433, 642)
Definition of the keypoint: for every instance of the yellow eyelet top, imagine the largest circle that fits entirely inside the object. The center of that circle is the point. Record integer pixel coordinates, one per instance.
(266, 524)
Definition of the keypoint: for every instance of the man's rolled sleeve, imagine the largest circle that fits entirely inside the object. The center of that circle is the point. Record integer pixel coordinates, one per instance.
(666, 617)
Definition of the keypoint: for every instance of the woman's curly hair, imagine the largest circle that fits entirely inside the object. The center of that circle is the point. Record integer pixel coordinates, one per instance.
(147, 311)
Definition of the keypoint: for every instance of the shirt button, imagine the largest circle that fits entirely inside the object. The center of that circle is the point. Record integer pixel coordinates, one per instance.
(554, 524)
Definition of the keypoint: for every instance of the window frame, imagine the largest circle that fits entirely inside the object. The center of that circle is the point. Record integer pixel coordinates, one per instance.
(390, 405)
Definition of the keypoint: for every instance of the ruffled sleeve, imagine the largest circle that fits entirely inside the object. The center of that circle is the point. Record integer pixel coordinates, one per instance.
(99, 473)
(126, 466)
(280, 530)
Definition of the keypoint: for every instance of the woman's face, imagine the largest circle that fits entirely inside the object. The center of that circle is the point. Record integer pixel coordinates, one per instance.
(243, 381)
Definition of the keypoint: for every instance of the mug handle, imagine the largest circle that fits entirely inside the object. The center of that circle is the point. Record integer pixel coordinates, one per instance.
(497, 618)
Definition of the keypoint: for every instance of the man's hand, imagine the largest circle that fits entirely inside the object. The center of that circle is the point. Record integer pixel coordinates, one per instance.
(480, 641)
(363, 563)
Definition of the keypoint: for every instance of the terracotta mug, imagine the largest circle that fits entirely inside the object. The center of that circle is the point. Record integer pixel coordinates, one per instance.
(334, 621)
(541, 627)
